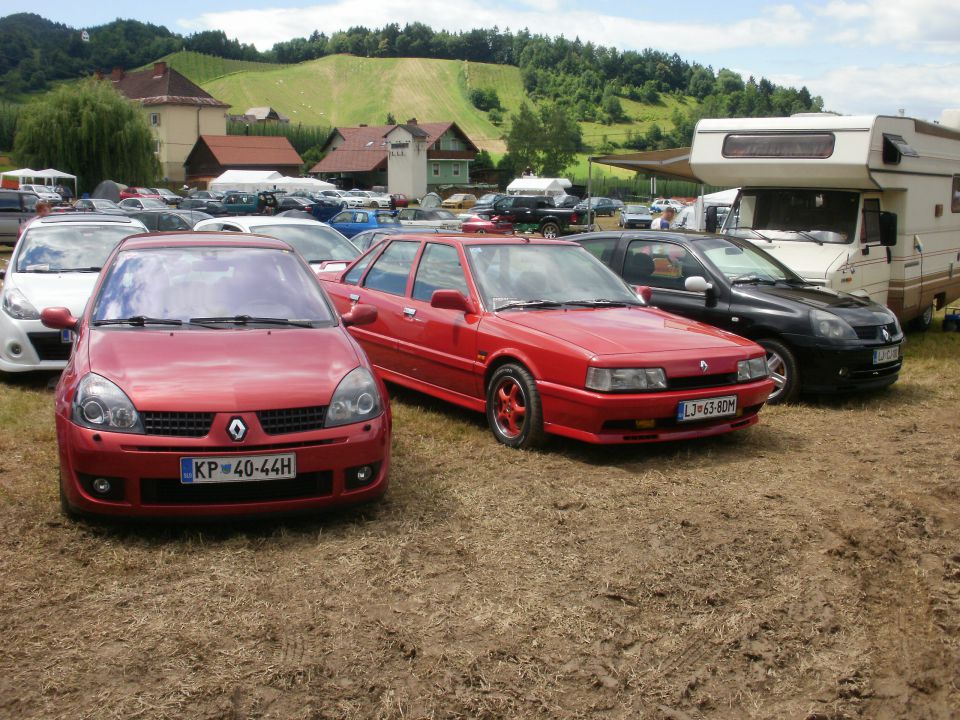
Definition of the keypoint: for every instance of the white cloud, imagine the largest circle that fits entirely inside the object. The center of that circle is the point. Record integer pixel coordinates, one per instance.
(777, 25)
(923, 91)
(918, 25)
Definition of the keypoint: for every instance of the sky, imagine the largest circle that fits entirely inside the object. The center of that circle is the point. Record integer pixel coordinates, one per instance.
(860, 56)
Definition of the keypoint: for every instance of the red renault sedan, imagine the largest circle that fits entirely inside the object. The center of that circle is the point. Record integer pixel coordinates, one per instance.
(211, 376)
(544, 338)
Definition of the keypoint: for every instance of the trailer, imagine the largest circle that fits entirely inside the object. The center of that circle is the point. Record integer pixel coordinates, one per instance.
(868, 205)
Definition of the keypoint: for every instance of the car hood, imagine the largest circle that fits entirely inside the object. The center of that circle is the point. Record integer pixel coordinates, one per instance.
(43, 290)
(808, 259)
(856, 310)
(232, 370)
(620, 331)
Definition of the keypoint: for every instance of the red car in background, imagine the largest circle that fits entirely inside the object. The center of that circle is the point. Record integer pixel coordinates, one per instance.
(544, 338)
(482, 226)
(400, 200)
(139, 192)
(211, 376)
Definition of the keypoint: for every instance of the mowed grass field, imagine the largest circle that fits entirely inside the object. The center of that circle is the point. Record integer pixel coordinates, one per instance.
(808, 567)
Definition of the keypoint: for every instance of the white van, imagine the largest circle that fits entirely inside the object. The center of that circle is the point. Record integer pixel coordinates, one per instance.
(868, 205)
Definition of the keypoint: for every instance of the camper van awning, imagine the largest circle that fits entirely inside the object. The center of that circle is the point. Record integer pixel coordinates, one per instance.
(673, 163)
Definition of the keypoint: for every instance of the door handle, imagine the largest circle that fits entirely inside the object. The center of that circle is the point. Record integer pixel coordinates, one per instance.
(409, 312)
(354, 298)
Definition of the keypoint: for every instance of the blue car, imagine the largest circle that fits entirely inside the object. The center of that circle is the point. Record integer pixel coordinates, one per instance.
(350, 222)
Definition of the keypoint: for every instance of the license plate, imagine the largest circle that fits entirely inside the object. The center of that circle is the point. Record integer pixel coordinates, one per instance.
(237, 469)
(707, 408)
(885, 355)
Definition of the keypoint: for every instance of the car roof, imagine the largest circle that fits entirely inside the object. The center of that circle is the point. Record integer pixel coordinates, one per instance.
(261, 220)
(185, 239)
(87, 218)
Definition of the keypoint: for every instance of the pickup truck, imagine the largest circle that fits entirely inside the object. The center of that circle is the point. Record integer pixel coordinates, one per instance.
(536, 213)
(16, 207)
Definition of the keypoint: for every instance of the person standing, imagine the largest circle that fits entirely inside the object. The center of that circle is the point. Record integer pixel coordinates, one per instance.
(663, 222)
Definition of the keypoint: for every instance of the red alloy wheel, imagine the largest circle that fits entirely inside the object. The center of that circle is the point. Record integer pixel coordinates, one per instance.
(511, 407)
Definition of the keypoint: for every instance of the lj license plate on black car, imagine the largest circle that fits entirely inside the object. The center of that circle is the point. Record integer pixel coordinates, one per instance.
(237, 469)
(886, 354)
(707, 408)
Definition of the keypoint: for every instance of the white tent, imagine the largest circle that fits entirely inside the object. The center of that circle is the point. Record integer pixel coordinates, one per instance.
(538, 186)
(53, 174)
(245, 180)
(308, 184)
(693, 217)
(22, 175)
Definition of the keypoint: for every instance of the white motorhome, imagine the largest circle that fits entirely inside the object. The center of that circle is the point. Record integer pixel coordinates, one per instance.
(864, 204)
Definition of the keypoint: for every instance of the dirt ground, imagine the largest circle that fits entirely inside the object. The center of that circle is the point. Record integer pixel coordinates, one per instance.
(808, 567)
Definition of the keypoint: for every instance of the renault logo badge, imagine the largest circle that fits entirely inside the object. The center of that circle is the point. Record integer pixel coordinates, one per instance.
(237, 429)
(703, 366)
(886, 334)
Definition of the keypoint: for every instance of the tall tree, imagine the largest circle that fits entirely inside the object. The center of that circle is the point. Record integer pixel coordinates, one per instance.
(89, 130)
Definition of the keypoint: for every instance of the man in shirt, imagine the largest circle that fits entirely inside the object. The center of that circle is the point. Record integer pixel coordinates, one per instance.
(663, 222)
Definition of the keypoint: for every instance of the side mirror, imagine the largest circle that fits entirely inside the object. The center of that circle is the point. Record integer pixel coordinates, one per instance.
(58, 318)
(710, 219)
(360, 315)
(696, 283)
(452, 300)
(888, 229)
(644, 292)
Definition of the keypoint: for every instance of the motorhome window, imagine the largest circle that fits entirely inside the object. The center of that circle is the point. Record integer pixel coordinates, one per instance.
(822, 216)
(955, 195)
(779, 145)
(870, 230)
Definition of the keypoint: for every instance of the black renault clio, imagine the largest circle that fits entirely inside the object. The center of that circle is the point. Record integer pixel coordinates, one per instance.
(818, 340)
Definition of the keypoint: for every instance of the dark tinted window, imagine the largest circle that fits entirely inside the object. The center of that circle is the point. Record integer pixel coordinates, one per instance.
(659, 264)
(315, 242)
(389, 273)
(169, 221)
(9, 202)
(356, 272)
(779, 145)
(601, 248)
(439, 269)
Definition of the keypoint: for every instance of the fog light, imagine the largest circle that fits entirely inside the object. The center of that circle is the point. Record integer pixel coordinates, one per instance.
(364, 474)
(843, 372)
(101, 486)
(15, 349)
(360, 476)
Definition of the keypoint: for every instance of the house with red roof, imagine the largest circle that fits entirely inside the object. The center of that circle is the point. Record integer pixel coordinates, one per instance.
(177, 110)
(410, 158)
(214, 154)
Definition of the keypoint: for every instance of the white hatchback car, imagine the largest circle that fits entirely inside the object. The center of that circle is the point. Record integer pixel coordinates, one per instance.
(54, 264)
(324, 247)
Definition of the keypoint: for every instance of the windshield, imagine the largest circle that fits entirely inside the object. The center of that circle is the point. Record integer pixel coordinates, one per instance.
(507, 274)
(822, 216)
(210, 282)
(315, 242)
(69, 247)
(637, 210)
(741, 261)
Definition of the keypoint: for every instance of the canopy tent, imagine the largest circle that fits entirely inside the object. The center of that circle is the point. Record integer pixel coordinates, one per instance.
(693, 216)
(245, 180)
(16, 177)
(47, 177)
(538, 186)
(673, 163)
(307, 184)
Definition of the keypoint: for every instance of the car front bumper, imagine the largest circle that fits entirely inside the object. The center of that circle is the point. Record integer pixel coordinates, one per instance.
(608, 418)
(26, 345)
(146, 469)
(825, 369)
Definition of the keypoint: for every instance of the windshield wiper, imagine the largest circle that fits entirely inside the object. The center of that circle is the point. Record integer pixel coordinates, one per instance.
(81, 269)
(528, 304)
(599, 302)
(752, 279)
(251, 320)
(138, 320)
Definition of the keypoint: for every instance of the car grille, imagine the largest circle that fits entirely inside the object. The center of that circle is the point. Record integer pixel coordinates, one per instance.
(291, 420)
(179, 424)
(49, 346)
(170, 491)
(695, 382)
(874, 332)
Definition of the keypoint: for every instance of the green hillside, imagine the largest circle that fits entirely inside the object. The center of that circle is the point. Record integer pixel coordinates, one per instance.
(203, 68)
(347, 90)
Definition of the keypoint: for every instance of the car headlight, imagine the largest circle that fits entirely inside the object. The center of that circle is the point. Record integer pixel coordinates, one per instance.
(752, 369)
(16, 305)
(625, 379)
(356, 399)
(100, 405)
(829, 325)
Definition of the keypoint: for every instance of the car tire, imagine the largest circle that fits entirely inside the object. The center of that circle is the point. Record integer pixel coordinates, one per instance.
(550, 230)
(783, 371)
(481, 231)
(512, 392)
(923, 321)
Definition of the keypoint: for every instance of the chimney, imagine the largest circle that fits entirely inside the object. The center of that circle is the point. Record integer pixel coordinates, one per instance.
(117, 74)
(159, 69)
(412, 121)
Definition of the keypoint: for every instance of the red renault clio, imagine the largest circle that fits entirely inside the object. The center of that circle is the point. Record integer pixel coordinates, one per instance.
(544, 338)
(211, 376)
